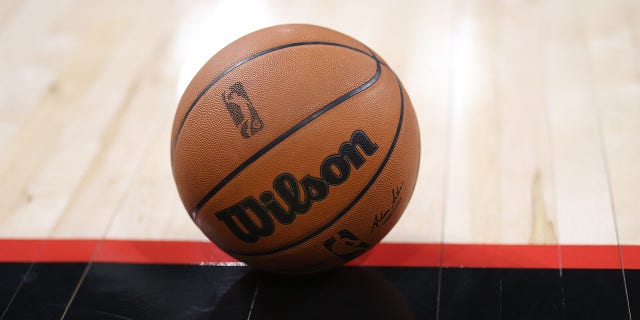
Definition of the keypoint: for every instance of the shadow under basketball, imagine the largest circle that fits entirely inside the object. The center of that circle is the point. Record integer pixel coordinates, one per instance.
(345, 293)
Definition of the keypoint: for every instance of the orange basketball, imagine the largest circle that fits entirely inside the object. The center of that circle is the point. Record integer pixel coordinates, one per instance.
(295, 149)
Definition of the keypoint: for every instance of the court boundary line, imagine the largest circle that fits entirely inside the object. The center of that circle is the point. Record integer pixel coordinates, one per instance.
(385, 254)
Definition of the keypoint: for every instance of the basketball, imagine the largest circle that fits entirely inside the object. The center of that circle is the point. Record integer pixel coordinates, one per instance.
(295, 149)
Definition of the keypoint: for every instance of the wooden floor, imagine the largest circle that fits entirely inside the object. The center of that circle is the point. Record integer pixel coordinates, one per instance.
(529, 113)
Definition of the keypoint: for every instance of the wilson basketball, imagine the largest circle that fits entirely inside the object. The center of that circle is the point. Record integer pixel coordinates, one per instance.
(295, 149)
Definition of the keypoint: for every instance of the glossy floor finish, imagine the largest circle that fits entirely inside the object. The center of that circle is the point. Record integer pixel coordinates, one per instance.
(529, 112)
(143, 291)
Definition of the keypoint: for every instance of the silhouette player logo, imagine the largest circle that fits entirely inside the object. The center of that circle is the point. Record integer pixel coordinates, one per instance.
(346, 245)
(242, 112)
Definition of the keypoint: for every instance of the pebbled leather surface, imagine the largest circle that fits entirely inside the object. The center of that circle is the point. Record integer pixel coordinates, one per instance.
(286, 86)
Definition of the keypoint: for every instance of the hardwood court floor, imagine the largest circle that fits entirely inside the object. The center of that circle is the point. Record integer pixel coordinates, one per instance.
(529, 112)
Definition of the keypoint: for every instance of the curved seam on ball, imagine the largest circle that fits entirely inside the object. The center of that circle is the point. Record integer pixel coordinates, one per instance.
(354, 201)
(243, 61)
(282, 137)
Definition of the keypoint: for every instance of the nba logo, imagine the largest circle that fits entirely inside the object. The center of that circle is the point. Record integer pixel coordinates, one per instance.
(241, 110)
(346, 245)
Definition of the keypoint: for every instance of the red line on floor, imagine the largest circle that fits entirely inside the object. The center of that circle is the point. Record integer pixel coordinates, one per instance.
(501, 256)
(591, 257)
(171, 252)
(401, 254)
(385, 254)
(20, 250)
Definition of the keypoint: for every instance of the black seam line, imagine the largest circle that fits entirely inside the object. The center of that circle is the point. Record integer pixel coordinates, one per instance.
(245, 60)
(282, 137)
(353, 202)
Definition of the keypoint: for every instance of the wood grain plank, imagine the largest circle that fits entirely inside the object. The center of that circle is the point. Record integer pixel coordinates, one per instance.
(426, 75)
(33, 48)
(30, 147)
(40, 181)
(125, 144)
(140, 199)
(502, 186)
(8, 9)
(473, 195)
(615, 48)
(582, 196)
(151, 208)
(526, 182)
(616, 74)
